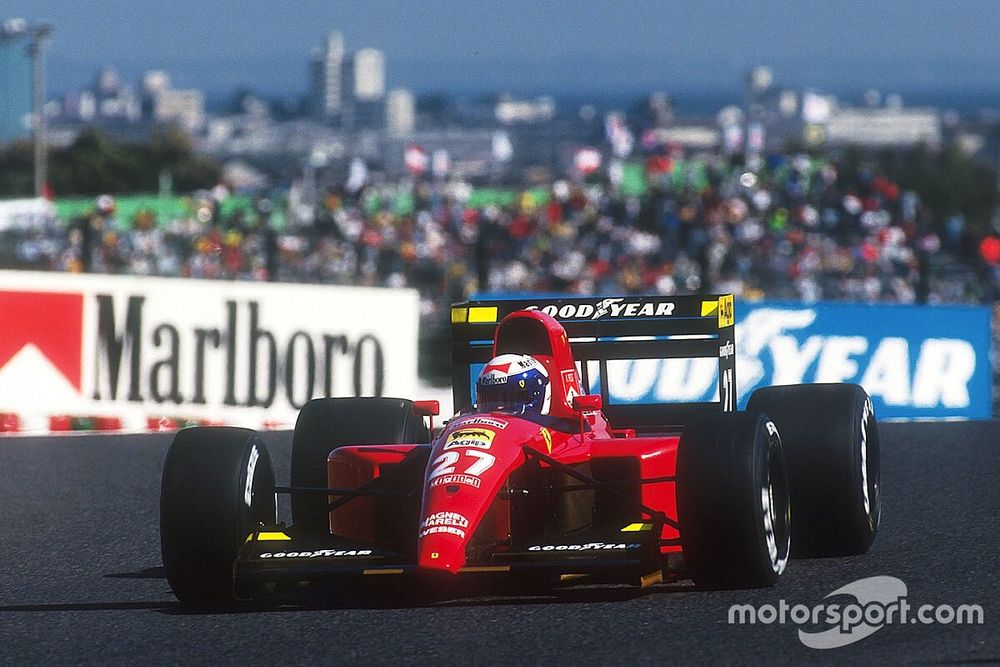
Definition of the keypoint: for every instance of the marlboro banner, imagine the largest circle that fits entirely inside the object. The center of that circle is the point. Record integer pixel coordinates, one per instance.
(230, 352)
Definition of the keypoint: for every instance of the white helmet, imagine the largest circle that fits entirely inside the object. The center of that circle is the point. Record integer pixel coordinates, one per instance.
(514, 383)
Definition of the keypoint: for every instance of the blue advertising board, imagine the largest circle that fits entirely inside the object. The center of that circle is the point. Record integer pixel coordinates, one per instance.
(916, 362)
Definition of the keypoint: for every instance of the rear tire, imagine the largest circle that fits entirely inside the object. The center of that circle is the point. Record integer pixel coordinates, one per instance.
(732, 501)
(324, 424)
(217, 488)
(831, 445)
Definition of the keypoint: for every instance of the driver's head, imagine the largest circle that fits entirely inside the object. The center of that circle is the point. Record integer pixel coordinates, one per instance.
(514, 383)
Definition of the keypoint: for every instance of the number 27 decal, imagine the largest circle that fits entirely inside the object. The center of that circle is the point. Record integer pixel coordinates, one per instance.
(445, 464)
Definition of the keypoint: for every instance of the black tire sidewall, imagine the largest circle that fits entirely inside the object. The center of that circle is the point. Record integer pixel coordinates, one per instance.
(865, 433)
(722, 469)
(822, 430)
(204, 517)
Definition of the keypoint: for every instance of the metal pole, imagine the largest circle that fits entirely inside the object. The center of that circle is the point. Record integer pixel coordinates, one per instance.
(40, 34)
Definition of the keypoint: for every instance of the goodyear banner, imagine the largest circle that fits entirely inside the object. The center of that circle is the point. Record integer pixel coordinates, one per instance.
(233, 352)
(916, 362)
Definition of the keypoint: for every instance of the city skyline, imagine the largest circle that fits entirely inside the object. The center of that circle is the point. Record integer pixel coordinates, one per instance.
(517, 47)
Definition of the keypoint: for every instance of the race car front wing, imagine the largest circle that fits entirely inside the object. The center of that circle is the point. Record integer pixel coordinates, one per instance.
(278, 559)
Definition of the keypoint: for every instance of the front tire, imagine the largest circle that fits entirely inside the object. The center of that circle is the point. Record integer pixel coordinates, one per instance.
(217, 488)
(831, 442)
(732, 501)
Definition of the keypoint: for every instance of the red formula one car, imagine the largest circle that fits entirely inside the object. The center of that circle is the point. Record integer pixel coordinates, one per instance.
(535, 477)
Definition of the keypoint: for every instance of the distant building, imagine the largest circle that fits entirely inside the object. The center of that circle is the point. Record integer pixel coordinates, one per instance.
(691, 137)
(346, 82)
(15, 81)
(509, 110)
(470, 152)
(775, 116)
(363, 84)
(80, 106)
(368, 75)
(400, 113)
(107, 82)
(154, 81)
(365, 115)
(660, 110)
(116, 101)
(326, 77)
(184, 107)
(885, 126)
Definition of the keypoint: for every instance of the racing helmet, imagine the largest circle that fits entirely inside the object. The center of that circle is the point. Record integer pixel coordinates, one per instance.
(513, 383)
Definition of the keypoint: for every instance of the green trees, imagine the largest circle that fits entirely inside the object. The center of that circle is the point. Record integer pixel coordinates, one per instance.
(96, 163)
(16, 165)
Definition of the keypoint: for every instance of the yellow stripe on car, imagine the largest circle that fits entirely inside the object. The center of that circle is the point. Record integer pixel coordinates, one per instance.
(272, 537)
(637, 527)
(480, 314)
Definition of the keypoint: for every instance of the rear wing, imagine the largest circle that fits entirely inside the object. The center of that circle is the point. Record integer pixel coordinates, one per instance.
(603, 330)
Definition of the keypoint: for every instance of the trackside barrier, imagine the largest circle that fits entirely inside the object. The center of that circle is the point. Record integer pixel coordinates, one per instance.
(187, 349)
(9, 422)
(916, 362)
(12, 424)
(926, 362)
(160, 424)
(62, 423)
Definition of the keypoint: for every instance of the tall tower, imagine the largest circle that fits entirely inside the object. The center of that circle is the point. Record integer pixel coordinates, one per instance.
(326, 78)
(400, 112)
(369, 75)
(364, 78)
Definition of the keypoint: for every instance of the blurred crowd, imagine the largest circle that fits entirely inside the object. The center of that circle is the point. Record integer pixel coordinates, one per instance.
(791, 228)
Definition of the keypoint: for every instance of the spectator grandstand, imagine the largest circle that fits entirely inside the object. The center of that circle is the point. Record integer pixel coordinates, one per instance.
(795, 229)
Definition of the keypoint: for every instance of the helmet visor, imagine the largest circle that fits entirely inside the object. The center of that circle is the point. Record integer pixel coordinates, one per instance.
(508, 398)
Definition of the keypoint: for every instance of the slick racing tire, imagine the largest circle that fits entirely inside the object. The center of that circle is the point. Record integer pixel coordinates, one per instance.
(324, 424)
(217, 488)
(732, 501)
(831, 445)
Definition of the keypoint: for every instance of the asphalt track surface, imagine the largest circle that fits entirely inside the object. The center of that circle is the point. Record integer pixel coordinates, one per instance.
(81, 580)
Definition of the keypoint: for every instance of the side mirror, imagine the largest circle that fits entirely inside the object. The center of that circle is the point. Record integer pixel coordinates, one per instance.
(588, 403)
(426, 408)
(429, 409)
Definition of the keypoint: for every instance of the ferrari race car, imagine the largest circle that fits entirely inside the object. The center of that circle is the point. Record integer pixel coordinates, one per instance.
(549, 471)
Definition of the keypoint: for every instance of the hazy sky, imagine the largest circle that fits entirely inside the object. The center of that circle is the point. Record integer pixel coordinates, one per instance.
(532, 46)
